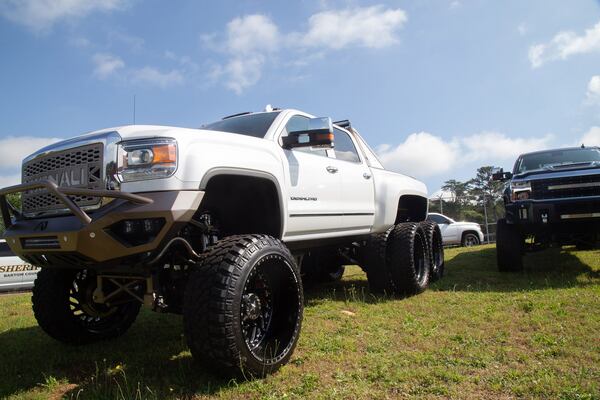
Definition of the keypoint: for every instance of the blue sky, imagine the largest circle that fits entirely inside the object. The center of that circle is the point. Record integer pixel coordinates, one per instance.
(437, 87)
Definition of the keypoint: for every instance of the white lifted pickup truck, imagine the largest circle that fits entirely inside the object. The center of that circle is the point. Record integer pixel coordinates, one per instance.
(221, 224)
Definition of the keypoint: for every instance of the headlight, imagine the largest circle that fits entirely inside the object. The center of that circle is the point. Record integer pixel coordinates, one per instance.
(521, 190)
(147, 159)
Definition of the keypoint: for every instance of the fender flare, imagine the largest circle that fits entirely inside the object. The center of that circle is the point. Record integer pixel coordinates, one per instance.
(216, 171)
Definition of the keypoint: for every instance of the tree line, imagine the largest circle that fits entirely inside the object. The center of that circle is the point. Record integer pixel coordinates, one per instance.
(471, 199)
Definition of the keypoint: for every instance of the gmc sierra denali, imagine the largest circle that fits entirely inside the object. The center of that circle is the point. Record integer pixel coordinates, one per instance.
(220, 224)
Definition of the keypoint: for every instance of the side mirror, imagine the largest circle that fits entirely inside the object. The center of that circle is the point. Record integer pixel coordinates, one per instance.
(319, 134)
(500, 175)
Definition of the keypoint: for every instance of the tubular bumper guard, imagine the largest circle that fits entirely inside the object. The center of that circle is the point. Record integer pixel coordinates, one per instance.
(86, 236)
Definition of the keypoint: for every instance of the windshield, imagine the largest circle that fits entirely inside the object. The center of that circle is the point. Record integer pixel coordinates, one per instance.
(255, 125)
(556, 158)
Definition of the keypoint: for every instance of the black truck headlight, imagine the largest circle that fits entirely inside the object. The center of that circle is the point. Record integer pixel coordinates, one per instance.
(521, 191)
(147, 159)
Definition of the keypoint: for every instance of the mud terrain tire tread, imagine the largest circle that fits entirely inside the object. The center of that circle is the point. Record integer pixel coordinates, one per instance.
(403, 267)
(435, 244)
(378, 277)
(50, 301)
(208, 313)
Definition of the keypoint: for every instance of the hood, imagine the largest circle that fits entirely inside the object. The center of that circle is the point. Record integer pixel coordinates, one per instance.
(574, 170)
(128, 132)
(469, 224)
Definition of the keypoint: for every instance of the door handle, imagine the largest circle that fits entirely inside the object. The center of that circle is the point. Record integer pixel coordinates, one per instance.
(367, 175)
(331, 170)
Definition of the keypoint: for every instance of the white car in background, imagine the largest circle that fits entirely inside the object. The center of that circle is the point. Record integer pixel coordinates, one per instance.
(457, 233)
(15, 274)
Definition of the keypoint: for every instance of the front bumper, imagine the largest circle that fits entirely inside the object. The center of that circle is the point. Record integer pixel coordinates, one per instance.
(83, 239)
(567, 214)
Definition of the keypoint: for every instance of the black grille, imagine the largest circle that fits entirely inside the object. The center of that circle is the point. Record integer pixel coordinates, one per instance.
(79, 167)
(551, 188)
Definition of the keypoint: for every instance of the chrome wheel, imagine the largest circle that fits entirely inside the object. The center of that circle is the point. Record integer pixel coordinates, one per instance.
(470, 240)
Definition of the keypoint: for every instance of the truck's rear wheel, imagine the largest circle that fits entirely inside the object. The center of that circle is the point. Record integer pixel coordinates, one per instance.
(408, 258)
(380, 281)
(64, 308)
(436, 249)
(509, 247)
(243, 306)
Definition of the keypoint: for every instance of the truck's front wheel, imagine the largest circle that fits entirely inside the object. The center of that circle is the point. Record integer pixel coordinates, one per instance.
(64, 308)
(509, 247)
(243, 306)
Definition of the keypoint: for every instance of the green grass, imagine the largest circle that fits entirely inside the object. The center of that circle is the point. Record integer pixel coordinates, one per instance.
(475, 334)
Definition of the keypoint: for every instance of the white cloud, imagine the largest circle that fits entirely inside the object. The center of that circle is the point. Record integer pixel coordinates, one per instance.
(152, 76)
(424, 154)
(421, 154)
(373, 27)
(106, 65)
(565, 44)
(522, 29)
(14, 149)
(252, 33)
(243, 72)
(593, 89)
(249, 40)
(254, 40)
(41, 15)
(497, 146)
(590, 138)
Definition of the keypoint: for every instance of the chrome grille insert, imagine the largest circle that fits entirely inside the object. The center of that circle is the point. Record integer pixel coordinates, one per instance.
(79, 167)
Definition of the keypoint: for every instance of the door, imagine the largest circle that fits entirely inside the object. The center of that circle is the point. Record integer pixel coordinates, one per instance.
(449, 233)
(357, 204)
(313, 188)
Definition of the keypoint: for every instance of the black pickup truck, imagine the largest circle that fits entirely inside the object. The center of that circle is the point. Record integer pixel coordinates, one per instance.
(551, 197)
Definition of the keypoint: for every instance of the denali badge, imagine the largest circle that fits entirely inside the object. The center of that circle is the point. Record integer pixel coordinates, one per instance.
(75, 176)
(303, 198)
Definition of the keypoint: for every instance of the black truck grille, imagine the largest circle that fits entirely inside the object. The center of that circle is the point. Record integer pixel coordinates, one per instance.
(572, 186)
(79, 167)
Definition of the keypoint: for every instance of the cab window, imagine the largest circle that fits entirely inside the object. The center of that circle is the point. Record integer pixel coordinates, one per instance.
(300, 123)
(344, 147)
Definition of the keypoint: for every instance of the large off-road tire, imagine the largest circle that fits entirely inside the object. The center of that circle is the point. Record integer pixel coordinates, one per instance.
(509, 247)
(435, 248)
(380, 281)
(243, 306)
(408, 258)
(64, 309)
(470, 239)
(321, 267)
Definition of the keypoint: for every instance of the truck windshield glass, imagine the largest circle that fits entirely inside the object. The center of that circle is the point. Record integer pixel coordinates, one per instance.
(556, 159)
(255, 125)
